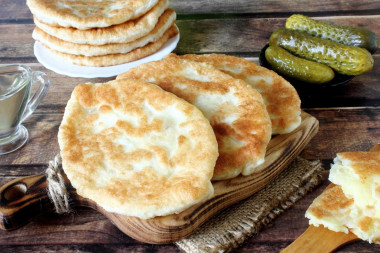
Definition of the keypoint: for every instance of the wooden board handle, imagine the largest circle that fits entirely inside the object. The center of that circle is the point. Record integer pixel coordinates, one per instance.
(23, 199)
(27, 197)
(319, 239)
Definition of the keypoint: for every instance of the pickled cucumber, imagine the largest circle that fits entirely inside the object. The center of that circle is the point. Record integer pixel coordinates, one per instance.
(292, 66)
(352, 36)
(347, 60)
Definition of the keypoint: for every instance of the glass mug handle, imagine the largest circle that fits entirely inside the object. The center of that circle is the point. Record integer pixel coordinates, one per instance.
(43, 82)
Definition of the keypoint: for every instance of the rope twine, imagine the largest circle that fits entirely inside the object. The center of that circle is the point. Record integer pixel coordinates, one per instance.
(57, 191)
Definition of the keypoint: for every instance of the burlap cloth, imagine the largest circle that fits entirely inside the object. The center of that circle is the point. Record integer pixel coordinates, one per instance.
(229, 228)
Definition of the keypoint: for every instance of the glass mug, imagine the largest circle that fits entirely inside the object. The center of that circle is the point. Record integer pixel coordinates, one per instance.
(17, 104)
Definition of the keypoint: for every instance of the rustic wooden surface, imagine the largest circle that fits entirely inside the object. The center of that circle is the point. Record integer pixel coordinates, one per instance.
(349, 116)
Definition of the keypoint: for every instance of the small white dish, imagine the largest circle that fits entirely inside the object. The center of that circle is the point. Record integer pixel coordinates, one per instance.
(60, 66)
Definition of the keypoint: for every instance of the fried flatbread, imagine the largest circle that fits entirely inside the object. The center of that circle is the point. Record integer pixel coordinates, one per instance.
(165, 22)
(136, 149)
(280, 97)
(121, 33)
(85, 14)
(339, 213)
(236, 111)
(115, 59)
(358, 173)
(354, 204)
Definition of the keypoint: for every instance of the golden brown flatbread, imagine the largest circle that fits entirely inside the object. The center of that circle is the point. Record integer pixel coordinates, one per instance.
(358, 173)
(339, 213)
(354, 204)
(135, 149)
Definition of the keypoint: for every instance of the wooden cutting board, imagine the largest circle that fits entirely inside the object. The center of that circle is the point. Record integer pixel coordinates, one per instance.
(24, 198)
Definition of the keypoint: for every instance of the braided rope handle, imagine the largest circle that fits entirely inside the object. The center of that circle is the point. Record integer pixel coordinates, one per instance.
(57, 190)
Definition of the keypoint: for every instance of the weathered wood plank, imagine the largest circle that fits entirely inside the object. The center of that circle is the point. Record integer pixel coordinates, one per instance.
(75, 248)
(245, 36)
(16, 10)
(361, 91)
(16, 43)
(88, 231)
(69, 225)
(275, 6)
(339, 130)
(237, 36)
(11, 172)
(344, 130)
(60, 89)
(42, 145)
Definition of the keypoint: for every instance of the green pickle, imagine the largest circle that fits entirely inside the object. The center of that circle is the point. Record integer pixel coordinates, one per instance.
(347, 60)
(348, 35)
(292, 66)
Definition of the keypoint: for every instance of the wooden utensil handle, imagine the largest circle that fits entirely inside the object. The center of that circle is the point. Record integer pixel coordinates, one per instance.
(319, 239)
(23, 199)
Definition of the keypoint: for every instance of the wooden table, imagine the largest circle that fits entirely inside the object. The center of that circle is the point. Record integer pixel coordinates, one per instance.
(349, 115)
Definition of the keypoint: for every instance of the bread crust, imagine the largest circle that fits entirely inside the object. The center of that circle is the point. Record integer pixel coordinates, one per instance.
(351, 203)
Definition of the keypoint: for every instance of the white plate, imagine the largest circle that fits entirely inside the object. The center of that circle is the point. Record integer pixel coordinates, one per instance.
(60, 66)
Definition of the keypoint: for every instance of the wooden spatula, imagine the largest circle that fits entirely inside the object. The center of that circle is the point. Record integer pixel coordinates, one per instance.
(319, 239)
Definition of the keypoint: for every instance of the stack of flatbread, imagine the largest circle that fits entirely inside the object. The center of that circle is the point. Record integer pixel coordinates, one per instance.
(352, 202)
(150, 142)
(102, 33)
